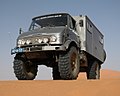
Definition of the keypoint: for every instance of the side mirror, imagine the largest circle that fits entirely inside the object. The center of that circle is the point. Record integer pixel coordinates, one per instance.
(81, 23)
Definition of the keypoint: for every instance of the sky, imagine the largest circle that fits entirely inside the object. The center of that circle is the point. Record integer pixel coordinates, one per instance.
(15, 14)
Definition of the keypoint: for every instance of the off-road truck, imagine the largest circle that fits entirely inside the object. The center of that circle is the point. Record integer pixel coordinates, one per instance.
(67, 44)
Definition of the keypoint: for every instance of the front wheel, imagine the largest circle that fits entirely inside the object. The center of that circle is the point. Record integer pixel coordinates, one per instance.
(69, 64)
(24, 70)
(93, 71)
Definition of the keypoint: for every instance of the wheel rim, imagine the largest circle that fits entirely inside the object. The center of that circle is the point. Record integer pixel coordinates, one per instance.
(74, 61)
(97, 72)
(29, 70)
(28, 66)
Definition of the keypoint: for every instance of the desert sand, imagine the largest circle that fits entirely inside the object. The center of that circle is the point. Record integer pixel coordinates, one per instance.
(108, 85)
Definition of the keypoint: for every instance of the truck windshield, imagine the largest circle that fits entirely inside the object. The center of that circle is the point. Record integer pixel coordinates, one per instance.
(49, 21)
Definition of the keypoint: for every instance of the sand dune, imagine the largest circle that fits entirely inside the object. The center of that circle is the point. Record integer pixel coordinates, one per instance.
(108, 85)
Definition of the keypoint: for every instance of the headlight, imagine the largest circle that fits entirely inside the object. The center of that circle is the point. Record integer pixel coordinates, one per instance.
(28, 42)
(45, 40)
(21, 42)
(53, 38)
(40, 40)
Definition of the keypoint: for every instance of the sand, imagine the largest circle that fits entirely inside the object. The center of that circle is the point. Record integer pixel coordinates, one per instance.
(108, 85)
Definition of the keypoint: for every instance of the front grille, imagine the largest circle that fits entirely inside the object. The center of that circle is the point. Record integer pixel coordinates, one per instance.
(35, 45)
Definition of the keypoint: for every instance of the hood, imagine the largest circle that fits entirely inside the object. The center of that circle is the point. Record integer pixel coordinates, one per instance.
(42, 31)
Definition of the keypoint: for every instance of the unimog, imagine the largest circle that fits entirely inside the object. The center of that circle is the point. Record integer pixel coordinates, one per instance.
(68, 44)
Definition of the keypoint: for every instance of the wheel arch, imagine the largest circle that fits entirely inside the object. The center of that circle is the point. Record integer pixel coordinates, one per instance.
(20, 56)
(70, 43)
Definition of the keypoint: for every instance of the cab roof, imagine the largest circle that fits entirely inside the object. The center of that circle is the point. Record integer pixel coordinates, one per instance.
(50, 15)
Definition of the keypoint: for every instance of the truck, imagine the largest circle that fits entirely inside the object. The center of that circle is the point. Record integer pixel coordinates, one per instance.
(68, 44)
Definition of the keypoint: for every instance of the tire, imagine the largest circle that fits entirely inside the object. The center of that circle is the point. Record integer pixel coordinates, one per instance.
(69, 64)
(24, 70)
(56, 73)
(93, 71)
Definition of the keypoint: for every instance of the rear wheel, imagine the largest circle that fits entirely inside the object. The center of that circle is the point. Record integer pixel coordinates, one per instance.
(93, 71)
(24, 70)
(69, 64)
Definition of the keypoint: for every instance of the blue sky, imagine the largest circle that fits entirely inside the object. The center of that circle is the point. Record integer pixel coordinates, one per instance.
(14, 14)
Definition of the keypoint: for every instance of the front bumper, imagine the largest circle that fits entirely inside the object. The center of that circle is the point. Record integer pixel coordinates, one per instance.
(38, 48)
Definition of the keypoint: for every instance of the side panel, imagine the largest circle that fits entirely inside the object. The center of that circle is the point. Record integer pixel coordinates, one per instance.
(91, 38)
(89, 42)
(94, 39)
(98, 41)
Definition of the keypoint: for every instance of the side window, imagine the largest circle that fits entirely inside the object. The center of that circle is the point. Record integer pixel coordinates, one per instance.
(81, 23)
(72, 23)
